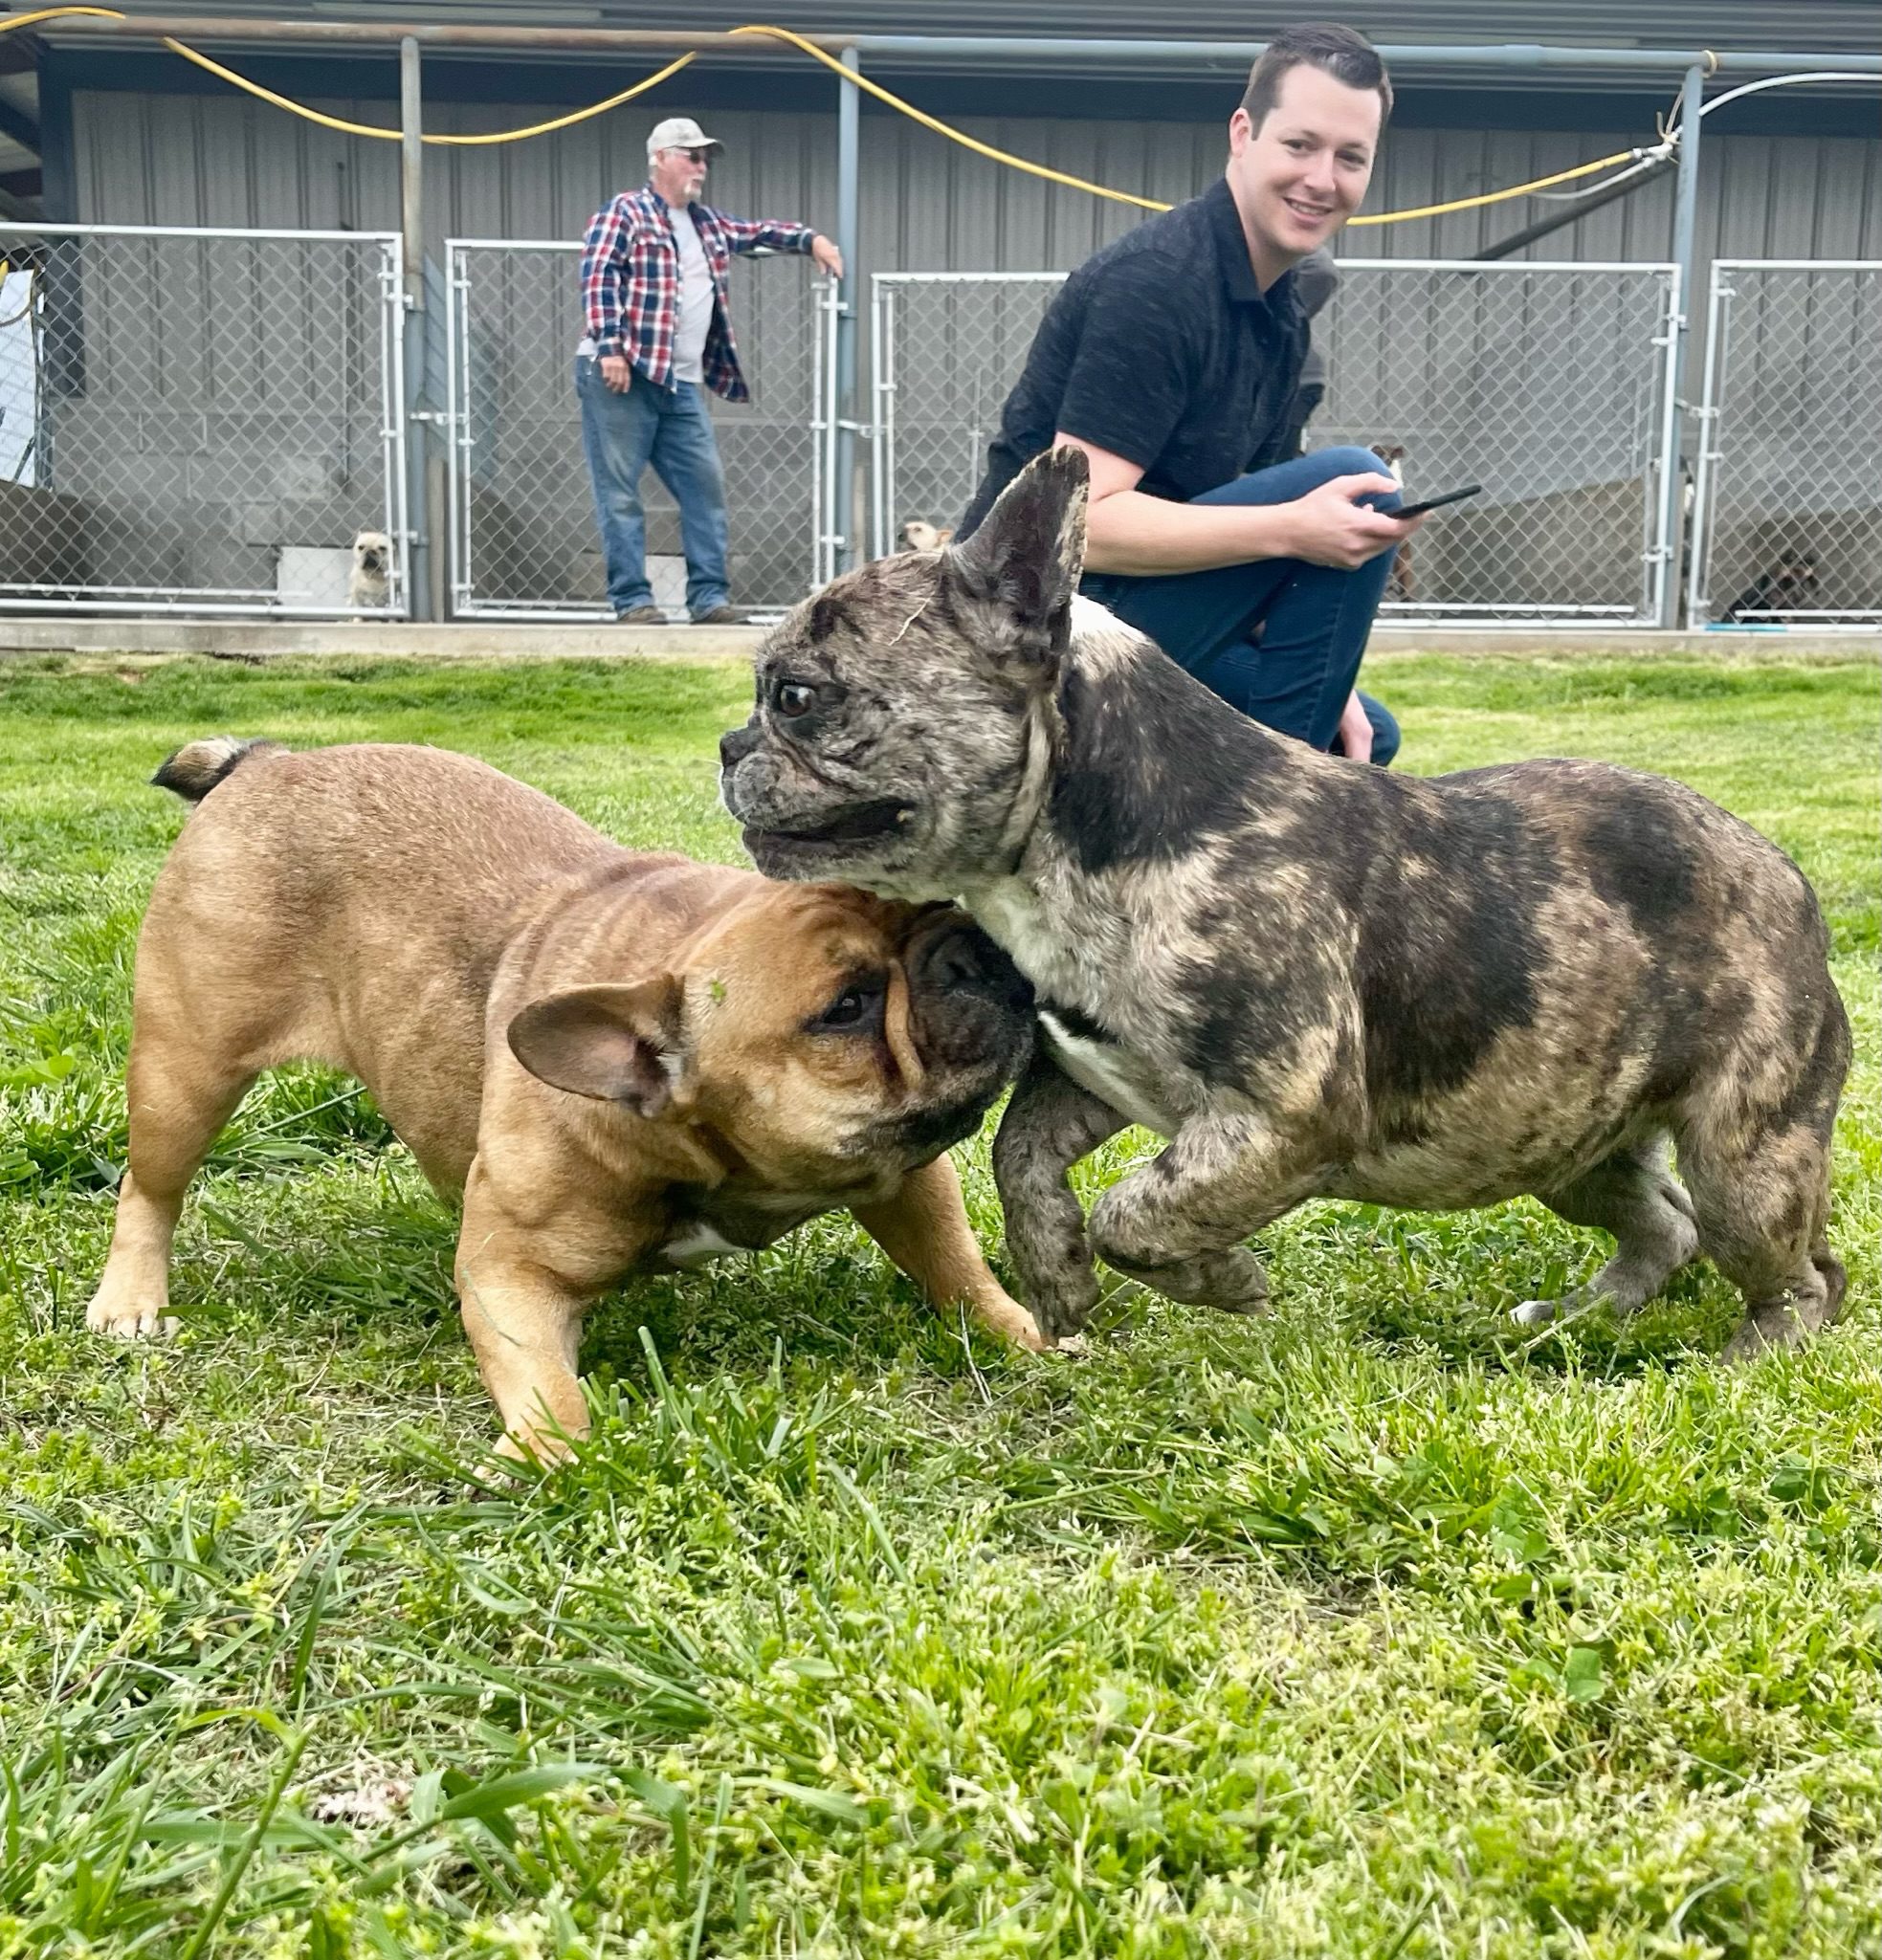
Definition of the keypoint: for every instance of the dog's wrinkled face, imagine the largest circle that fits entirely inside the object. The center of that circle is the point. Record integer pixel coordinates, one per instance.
(883, 1037)
(372, 552)
(899, 714)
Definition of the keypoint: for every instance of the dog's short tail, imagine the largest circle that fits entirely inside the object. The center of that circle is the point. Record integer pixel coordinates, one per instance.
(198, 766)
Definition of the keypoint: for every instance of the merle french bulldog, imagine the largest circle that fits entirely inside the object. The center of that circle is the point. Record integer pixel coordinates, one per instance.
(1315, 978)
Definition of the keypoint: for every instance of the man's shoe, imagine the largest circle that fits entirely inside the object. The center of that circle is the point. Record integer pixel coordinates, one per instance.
(723, 616)
(641, 616)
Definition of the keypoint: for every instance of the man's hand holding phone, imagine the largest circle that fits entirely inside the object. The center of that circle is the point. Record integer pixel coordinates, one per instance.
(1329, 526)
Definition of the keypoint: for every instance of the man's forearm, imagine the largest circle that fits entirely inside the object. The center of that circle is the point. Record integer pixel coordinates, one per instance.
(1147, 536)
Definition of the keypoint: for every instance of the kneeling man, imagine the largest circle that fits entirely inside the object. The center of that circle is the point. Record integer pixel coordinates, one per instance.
(1172, 359)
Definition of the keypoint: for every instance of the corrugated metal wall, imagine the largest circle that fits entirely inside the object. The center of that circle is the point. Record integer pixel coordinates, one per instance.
(927, 203)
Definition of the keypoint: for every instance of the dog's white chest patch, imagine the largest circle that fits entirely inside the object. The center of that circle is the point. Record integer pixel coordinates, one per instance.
(1111, 1074)
(695, 1247)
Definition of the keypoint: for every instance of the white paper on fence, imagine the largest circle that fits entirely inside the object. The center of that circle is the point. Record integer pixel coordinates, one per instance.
(19, 381)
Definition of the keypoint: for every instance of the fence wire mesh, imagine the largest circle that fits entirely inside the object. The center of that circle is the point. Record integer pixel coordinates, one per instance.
(1546, 383)
(1787, 510)
(199, 421)
(524, 534)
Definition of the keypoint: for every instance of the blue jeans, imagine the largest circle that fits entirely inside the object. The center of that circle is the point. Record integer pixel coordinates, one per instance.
(620, 436)
(1312, 621)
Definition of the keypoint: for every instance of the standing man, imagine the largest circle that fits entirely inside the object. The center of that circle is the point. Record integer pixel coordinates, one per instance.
(658, 334)
(1173, 359)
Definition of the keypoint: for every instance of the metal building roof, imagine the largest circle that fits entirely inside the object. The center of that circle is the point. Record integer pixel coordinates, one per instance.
(1826, 25)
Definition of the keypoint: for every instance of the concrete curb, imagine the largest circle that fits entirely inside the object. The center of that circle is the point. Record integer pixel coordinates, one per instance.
(488, 640)
(473, 640)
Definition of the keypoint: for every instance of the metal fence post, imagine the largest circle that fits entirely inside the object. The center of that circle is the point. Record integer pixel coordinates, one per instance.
(1698, 602)
(456, 427)
(878, 422)
(843, 408)
(1686, 201)
(822, 439)
(393, 425)
(418, 448)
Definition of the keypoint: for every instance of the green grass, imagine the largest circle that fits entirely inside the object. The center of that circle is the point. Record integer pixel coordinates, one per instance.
(1366, 1629)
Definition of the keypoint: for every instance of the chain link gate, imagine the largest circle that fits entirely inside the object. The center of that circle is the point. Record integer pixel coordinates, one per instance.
(1546, 382)
(198, 421)
(523, 539)
(1787, 506)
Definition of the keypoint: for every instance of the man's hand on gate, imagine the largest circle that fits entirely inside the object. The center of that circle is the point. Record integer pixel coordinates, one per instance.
(829, 258)
(615, 373)
(1329, 527)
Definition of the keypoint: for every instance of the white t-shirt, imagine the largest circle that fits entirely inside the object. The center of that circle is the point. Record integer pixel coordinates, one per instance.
(695, 299)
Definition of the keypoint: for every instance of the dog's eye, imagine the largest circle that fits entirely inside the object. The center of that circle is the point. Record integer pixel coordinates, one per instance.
(792, 698)
(857, 1010)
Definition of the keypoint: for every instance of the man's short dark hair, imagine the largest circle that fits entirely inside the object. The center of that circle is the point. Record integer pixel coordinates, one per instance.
(1340, 52)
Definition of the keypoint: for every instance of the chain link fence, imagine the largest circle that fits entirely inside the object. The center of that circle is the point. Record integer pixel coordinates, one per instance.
(208, 421)
(1546, 383)
(945, 349)
(1787, 504)
(200, 421)
(523, 539)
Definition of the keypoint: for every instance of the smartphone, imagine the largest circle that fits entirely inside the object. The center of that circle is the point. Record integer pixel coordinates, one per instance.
(1435, 503)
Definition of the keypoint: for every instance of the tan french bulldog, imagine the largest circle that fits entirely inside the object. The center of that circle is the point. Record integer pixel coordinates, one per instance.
(619, 1061)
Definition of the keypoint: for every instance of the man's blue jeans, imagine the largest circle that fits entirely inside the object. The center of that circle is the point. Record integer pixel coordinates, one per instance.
(1312, 619)
(620, 436)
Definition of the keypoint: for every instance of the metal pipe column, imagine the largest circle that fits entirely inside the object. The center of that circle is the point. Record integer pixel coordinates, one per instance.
(849, 170)
(417, 435)
(1686, 204)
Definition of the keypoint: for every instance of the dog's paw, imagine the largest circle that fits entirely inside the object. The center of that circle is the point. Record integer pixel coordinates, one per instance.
(1233, 1281)
(125, 1318)
(537, 1448)
(1062, 1300)
(1786, 1323)
(1570, 1305)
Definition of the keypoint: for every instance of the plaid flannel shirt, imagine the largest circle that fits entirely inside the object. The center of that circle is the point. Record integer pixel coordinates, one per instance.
(630, 283)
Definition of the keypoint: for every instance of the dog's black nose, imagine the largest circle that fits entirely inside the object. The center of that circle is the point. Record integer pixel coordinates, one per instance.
(736, 744)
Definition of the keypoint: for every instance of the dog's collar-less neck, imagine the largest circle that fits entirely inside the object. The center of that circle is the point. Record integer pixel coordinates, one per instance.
(1030, 800)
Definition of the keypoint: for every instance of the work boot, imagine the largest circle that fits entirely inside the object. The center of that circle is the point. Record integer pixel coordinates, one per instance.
(641, 616)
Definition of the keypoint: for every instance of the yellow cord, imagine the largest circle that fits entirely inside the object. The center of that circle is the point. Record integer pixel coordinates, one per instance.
(13, 20)
(1467, 204)
(268, 95)
(340, 122)
(798, 41)
(908, 109)
(1150, 204)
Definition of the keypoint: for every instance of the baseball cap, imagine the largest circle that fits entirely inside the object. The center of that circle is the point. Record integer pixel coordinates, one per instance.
(680, 133)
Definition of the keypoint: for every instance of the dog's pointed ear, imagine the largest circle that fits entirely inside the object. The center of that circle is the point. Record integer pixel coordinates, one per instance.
(1022, 566)
(618, 1043)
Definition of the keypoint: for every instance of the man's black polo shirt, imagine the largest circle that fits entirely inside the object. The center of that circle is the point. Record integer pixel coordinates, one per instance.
(1162, 349)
